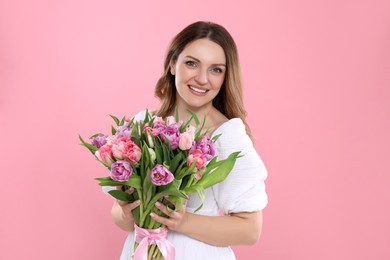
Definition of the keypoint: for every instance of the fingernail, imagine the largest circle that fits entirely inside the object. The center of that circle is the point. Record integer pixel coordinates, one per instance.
(158, 204)
(152, 215)
(138, 202)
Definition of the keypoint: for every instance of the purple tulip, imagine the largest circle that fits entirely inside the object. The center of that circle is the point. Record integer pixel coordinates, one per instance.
(171, 133)
(124, 131)
(121, 171)
(159, 127)
(161, 175)
(99, 141)
(206, 145)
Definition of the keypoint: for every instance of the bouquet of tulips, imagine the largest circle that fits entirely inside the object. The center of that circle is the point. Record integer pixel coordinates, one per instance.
(158, 157)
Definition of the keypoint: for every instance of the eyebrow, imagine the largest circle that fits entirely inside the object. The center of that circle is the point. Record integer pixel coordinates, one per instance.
(217, 64)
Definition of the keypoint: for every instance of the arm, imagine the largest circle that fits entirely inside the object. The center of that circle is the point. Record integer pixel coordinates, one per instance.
(121, 213)
(235, 229)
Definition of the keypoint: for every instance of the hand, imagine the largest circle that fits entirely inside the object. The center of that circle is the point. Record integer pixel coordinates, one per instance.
(127, 207)
(175, 219)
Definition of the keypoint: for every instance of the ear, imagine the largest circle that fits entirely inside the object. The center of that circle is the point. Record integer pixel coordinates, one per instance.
(172, 67)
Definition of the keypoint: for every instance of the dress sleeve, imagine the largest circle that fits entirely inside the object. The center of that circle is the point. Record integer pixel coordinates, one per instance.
(140, 115)
(244, 188)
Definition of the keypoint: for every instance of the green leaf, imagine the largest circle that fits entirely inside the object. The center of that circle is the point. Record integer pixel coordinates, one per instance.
(134, 181)
(122, 122)
(187, 171)
(134, 132)
(95, 135)
(136, 214)
(90, 147)
(158, 152)
(176, 114)
(215, 137)
(212, 162)
(175, 162)
(172, 190)
(131, 122)
(147, 117)
(113, 130)
(179, 203)
(195, 117)
(167, 158)
(199, 131)
(120, 195)
(220, 173)
(146, 160)
(151, 122)
(181, 167)
(200, 190)
(103, 179)
(104, 163)
(184, 126)
(115, 119)
(147, 185)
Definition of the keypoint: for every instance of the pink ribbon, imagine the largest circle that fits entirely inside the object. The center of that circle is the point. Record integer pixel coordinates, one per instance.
(146, 237)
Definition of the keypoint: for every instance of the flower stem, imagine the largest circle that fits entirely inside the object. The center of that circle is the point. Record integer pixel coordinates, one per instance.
(141, 210)
(190, 181)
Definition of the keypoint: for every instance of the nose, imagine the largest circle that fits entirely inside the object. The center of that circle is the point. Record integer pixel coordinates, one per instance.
(201, 77)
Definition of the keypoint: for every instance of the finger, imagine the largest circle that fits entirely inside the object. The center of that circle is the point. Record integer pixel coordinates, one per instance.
(131, 206)
(168, 199)
(122, 203)
(184, 206)
(163, 208)
(162, 220)
(171, 204)
(130, 190)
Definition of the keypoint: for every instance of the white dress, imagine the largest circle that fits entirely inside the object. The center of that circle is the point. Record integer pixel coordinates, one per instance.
(242, 191)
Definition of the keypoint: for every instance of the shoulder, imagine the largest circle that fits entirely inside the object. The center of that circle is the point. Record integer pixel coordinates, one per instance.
(231, 128)
(233, 136)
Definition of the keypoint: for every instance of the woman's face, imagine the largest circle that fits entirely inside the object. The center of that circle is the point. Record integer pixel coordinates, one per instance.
(199, 74)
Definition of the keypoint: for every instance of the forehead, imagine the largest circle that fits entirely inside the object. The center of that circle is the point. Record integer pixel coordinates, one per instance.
(204, 50)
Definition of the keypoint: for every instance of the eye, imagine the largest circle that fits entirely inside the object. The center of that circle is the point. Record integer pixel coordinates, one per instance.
(217, 70)
(190, 63)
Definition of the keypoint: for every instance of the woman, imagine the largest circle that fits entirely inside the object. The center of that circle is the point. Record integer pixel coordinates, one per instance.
(201, 73)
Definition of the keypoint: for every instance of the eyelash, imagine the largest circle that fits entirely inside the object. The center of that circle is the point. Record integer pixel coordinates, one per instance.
(193, 64)
(217, 70)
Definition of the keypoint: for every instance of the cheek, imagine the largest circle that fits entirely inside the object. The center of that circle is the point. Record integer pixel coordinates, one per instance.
(180, 76)
(187, 73)
(217, 82)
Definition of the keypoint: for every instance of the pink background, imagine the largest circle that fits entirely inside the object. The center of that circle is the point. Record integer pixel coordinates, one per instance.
(317, 89)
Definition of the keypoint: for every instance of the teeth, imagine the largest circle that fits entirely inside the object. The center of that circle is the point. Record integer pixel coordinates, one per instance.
(197, 90)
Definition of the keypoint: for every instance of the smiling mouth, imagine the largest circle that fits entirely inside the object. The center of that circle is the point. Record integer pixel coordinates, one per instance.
(197, 89)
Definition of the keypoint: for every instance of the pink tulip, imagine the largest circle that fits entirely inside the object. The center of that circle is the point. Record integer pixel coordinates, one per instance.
(171, 120)
(105, 154)
(185, 141)
(191, 130)
(124, 147)
(199, 157)
(158, 120)
(160, 175)
(121, 171)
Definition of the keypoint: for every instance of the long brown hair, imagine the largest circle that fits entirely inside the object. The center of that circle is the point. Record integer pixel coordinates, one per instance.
(229, 100)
